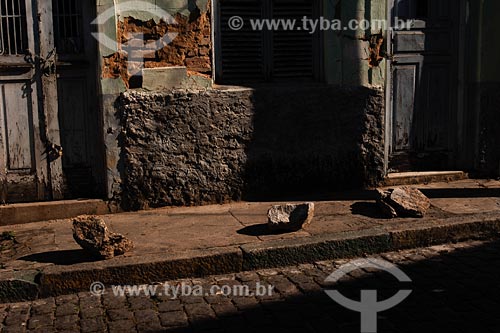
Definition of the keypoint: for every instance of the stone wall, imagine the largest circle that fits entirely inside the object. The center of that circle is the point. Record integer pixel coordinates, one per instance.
(191, 148)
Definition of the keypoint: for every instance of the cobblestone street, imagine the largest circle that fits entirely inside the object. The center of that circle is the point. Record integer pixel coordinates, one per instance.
(455, 289)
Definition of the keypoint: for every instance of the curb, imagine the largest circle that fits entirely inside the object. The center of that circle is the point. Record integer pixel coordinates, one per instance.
(60, 280)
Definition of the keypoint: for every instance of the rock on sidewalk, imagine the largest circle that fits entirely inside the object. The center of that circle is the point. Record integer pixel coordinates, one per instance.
(290, 217)
(92, 234)
(403, 201)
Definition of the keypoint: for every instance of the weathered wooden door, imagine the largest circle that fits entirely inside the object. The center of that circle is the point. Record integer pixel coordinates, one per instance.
(424, 84)
(77, 92)
(30, 164)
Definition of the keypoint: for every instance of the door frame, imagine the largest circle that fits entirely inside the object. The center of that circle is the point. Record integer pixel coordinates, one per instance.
(50, 105)
(456, 135)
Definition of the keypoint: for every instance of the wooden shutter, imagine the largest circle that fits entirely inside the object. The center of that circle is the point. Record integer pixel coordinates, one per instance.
(249, 56)
(293, 51)
(242, 51)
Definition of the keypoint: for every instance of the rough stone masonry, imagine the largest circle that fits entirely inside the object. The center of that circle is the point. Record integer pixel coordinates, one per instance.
(202, 147)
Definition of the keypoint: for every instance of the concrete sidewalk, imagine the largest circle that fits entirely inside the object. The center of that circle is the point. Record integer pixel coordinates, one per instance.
(173, 243)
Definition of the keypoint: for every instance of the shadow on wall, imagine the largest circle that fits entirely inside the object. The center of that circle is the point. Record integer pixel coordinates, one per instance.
(193, 148)
(310, 140)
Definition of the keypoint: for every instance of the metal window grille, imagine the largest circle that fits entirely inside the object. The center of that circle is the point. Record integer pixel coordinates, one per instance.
(68, 29)
(13, 27)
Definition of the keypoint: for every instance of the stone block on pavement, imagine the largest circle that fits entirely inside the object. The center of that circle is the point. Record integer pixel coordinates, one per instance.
(92, 234)
(403, 201)
(290, 217)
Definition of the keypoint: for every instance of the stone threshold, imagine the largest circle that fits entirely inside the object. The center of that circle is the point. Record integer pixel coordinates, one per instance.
(414, 178)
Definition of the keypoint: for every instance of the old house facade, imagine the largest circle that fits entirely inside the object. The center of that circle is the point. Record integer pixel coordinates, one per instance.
(174, 107)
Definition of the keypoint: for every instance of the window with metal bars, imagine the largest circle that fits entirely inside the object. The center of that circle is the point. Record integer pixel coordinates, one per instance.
(68, 29)
(280, 55)
(13, 27)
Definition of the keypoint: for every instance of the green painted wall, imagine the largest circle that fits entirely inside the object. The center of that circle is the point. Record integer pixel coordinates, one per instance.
(346, 53)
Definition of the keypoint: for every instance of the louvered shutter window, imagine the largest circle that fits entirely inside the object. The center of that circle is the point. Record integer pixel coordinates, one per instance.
(242, 50)
(252, 56)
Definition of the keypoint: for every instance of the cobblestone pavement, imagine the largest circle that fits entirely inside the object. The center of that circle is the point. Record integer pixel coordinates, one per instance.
(456, 288)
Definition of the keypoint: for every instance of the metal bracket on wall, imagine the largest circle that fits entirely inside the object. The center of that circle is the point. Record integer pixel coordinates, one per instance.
(48, 64)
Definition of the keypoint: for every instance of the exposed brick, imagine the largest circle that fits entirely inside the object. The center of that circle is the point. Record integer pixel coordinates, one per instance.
(148, 41)
(200, 64)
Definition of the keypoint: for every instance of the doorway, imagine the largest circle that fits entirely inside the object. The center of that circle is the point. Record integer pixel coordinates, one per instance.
(79, 116)
(49, 119)
(422, 110)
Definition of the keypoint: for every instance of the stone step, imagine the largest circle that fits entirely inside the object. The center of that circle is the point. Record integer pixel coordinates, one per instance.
(413, 178)
(20, 213)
